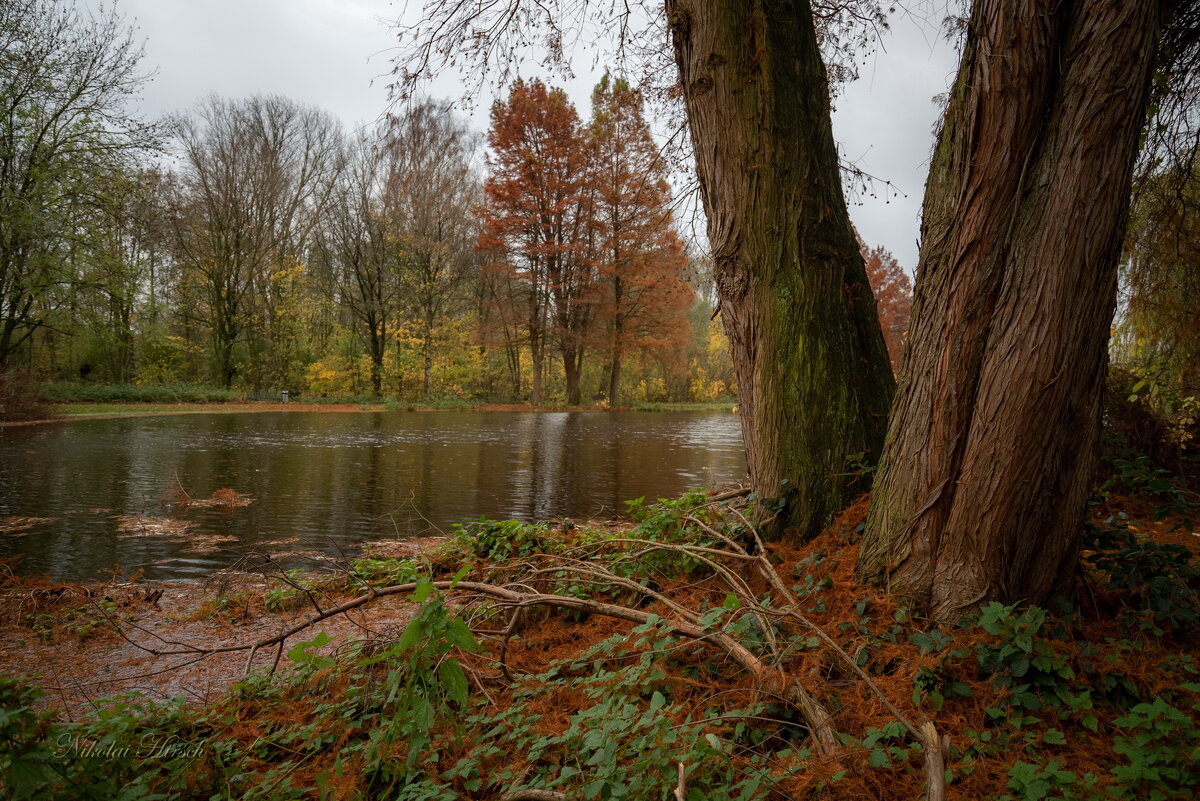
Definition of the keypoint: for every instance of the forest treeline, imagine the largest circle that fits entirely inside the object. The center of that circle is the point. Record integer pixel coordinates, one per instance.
(255, 244)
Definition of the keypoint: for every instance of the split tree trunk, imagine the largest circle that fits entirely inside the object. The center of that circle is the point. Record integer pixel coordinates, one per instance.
(994, 434)
(814, 381)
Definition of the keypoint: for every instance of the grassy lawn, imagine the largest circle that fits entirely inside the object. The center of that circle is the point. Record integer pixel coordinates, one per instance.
(144, 409)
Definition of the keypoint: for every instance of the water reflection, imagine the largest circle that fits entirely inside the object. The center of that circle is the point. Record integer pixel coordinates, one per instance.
(326, 483)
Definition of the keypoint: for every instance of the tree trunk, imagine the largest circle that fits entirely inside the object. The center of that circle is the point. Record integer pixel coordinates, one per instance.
(377, 346)
(377, 340)
(572, 369)
(427, 355)
(512, 351)
(994, 435)
(614, 376)
(535, 357)
(814, 382)
(618, 340)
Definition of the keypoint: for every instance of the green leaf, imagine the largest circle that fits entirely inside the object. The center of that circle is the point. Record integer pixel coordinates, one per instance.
(300, 653)
(424, 588)
(411, 636)
(1054, 737)
(455, 682)
(458, 633)
(26, 774)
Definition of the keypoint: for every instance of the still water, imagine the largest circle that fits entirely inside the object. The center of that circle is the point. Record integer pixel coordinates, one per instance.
(325, 483)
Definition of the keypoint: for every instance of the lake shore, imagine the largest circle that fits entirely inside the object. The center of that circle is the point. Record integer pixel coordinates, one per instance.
(102, 411)
(592, 663)
(97, 639)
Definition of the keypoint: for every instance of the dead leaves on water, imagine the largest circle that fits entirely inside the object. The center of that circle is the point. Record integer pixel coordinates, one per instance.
(21, 525)
(177, 499)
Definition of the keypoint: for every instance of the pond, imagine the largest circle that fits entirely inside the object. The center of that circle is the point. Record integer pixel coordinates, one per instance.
(80, 497)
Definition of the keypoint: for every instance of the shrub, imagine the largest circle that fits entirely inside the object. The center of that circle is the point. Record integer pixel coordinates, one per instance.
(1157, 579)
(76, 392)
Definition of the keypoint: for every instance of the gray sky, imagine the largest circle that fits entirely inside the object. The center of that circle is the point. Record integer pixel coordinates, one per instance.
(334, 54)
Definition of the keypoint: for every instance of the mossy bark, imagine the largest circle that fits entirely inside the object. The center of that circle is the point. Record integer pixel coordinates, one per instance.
(814, 381)
(994, 433)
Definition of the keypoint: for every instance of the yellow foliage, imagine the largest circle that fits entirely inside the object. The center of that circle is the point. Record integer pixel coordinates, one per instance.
(703, 389)
(338, 375)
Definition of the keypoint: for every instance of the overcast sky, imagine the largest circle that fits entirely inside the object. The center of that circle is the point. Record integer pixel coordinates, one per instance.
(335, 54)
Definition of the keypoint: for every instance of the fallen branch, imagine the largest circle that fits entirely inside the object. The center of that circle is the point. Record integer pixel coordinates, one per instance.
(534, 795)
(768, 677)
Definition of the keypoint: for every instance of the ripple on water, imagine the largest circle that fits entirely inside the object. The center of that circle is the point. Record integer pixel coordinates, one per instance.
(325, 483)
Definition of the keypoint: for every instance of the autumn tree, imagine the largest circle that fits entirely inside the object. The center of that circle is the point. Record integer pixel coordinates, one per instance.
(1159, 328)
(535, 222)
(641, 262)
(65, 76)
(893, 297)
(994, 433)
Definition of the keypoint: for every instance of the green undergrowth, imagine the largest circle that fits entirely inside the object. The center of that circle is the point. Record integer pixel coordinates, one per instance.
(84, 392)
(1099, 700)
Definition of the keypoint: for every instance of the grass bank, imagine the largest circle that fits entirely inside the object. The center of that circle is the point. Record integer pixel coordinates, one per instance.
(714, 406)
(100, 409)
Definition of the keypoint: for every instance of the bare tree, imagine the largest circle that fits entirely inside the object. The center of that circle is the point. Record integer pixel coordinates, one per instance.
(118, 268)
(255, 174)
(353, 246)
(430, 191)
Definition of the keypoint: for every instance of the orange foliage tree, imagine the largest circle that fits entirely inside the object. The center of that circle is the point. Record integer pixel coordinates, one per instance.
(535, 222)
(893, 299)
(640, 258)
(577, 228)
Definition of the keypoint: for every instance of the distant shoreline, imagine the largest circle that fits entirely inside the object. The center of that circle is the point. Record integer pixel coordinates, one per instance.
(67, 412)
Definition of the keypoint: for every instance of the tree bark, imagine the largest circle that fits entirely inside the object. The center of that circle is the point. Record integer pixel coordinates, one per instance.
(618, 337)
(993, 438)
(573, 369)
(814, 382)
(427, 355)
(614, 375)
(536, 359)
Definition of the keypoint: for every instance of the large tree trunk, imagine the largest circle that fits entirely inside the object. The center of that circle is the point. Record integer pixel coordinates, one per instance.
(814, 382)
(993, 437)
